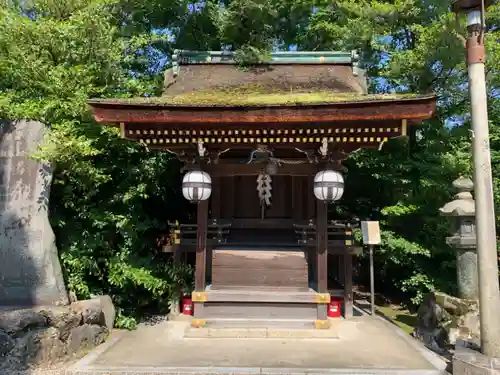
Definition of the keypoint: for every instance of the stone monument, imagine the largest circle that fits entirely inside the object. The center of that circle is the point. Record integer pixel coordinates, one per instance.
(30, 272)
(462, 211)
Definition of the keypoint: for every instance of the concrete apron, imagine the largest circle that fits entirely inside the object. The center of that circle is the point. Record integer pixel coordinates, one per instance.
(366, 346)
(331, 333)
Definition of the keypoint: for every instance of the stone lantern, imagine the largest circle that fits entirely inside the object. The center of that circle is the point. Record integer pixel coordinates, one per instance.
(462, 213)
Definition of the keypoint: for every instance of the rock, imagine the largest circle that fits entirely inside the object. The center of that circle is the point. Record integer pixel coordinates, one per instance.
(109, 310)
(467, 328)
(72, 296)
(6, 343)
(42, 336)
(98, 310)
(63, 319)
(469, 344)
(36, 347)
(86, 336)
(430, 318)
(15, 321)
(463, 324)
(30, 272)
(471, 321)
(453, 335)
(453, 305)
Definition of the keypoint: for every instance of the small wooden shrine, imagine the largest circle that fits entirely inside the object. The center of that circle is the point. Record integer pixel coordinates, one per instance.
(261, 144)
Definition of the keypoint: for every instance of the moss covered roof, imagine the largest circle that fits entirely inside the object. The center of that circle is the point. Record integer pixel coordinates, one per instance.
(252, 97)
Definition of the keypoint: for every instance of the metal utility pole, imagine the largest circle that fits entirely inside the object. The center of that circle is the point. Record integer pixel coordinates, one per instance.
(489, 291)
(372, 282)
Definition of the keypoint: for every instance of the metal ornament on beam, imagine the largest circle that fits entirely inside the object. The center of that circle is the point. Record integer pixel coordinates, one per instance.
(199, 296)
(198, 323)
(322, 324)
(322, 298)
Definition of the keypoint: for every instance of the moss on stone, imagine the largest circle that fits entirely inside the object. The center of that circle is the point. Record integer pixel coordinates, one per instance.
(453, 305)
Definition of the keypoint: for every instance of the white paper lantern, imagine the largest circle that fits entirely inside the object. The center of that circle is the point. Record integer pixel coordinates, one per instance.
(328, 185)
(196, 186)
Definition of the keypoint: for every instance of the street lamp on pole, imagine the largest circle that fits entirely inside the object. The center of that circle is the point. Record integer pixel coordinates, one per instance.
(489, 293)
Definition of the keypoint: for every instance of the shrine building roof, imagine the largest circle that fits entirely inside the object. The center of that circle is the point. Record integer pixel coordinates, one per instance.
(325, 86)
(215, 78)
(281, 73)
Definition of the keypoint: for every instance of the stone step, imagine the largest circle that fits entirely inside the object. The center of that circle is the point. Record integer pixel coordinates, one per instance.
(257, 310)
(261, 294)
(262, 288)
(244, 323)
(226, 332)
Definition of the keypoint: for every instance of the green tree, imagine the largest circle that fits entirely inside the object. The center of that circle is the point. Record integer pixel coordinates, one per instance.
(110, 198)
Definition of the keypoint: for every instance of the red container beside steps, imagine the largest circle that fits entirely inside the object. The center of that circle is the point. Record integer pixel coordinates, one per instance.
(334, 307)
(187, 305)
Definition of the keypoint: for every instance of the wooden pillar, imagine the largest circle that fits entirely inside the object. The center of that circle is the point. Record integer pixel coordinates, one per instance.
(201, 246)
(310, 197)
(298, 198)
(322, 255)
(341, 269)
(174, 305)
(229, 200)
(216, 214)
(201, 254)
(215, 199)
(178, 253)
(348, 297)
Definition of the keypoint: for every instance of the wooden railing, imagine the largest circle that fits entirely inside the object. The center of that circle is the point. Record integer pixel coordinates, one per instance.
(185, 234)
(339, 233)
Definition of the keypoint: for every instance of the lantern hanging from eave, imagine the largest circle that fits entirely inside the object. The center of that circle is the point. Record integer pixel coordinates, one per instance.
(328, 185)
(196, 186)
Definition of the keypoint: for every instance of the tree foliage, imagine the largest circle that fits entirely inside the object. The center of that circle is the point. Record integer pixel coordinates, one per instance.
(111, 198)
